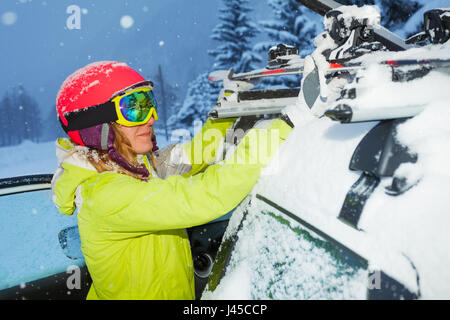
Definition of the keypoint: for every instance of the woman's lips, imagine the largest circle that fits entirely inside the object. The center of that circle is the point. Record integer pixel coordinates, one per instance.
(147, 134)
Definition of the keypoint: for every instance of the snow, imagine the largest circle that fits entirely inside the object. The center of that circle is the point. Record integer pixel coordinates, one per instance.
(85, 89)
(439, 51)
(238, 285)
(81, 78)
(27, 158)
(371, 14)
(378, 91)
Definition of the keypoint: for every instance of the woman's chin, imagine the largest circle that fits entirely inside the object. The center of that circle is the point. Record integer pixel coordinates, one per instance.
(143, 148)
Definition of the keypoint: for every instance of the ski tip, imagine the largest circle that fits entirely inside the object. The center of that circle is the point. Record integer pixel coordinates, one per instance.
(218, 75)
(274, 71)
(335, 65)
(213, 78)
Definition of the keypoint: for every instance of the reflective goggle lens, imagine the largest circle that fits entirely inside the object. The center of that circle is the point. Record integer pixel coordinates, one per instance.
(136, 106)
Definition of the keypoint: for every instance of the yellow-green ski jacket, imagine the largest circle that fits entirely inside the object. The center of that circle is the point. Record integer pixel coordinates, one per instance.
(133, 233)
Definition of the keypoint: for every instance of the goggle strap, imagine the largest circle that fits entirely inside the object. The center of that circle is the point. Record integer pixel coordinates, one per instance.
(89, 117)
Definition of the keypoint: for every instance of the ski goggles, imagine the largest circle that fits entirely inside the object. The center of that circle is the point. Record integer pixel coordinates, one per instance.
(135, 107)
(131, 107)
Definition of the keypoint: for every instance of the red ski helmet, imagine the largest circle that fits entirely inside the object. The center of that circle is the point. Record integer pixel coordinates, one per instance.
(89, 88)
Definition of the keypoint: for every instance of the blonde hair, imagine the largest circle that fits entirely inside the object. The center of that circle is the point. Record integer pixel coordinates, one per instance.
(102, 162)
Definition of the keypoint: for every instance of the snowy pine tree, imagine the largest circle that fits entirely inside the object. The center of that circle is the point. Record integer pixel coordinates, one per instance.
(166, 98)
(21, 117)
(394, 14)
(294, 25)
(52, 128)
(234, 34)
(358, 3)
(30, 122)
(200, 98)
(5, 108)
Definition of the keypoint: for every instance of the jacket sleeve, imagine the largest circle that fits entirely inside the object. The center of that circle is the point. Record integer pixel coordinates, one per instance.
(126, 205)
(64, 184)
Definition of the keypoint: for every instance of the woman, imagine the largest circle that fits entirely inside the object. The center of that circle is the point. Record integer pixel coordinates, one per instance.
(131, 221)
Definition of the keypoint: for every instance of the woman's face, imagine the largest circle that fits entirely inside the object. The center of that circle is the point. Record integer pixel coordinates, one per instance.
(140, 137)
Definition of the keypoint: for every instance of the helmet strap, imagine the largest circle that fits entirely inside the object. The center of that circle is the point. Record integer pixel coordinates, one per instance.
(101, 137)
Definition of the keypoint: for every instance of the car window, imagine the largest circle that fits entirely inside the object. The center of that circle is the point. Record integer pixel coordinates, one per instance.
(29, 245)
(276, 257)
(306, 266)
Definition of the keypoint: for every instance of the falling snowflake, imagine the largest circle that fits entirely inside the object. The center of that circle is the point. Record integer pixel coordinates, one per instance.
(126, 22)
(9, 18)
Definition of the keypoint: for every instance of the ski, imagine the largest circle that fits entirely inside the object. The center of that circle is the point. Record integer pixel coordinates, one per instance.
(283, 60)
(258, 102)
(438, 63)
(251, 109)
(254, 103)
(220, 75)
(346, 114)
(335, 66)
(396, 63)
(392, 41)
(402, 70)
(355, 33)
